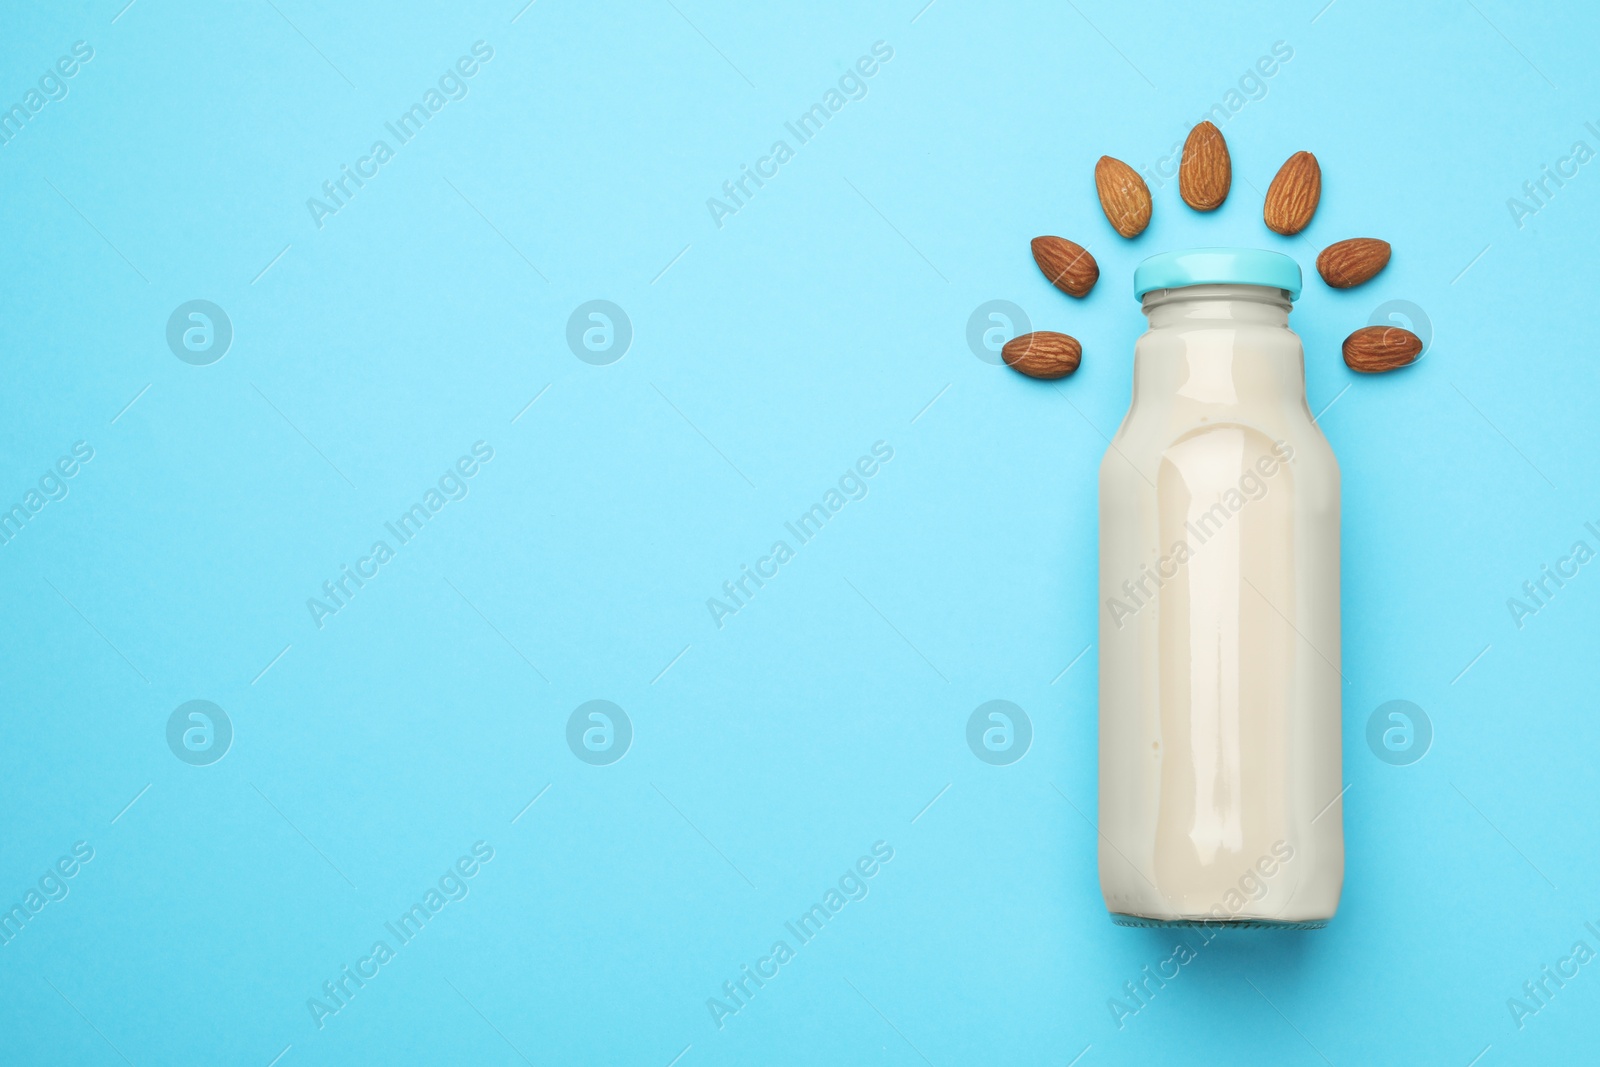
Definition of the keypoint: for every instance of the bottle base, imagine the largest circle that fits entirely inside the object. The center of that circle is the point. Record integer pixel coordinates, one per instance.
(1236, 924)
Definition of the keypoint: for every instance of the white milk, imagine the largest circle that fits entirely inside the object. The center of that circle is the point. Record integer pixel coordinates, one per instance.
(1219, 625)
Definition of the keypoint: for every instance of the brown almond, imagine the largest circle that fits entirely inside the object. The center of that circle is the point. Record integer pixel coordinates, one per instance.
(1292, 197)
(1375, 349)
(1068, 265)
(1348, 264)
(1206, 171)
(1043, 354)
(1124, 196)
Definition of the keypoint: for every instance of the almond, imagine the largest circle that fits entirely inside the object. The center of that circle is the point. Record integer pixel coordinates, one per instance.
(1068, 265)
(1375, 349)
(1043, 354)
(1292, 197)
(1206, 171)
(1124, 196)
(1350, 263)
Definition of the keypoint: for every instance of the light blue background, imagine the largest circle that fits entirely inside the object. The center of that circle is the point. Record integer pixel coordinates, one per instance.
(767, 356)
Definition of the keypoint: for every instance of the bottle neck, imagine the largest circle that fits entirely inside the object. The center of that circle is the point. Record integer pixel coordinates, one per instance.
(1214, 306)
(1224, 346)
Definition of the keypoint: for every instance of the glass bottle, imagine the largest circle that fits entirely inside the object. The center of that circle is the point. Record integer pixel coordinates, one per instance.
(1220, 683)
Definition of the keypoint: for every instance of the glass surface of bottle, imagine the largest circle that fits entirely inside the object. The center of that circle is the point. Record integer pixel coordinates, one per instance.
(1219, 612)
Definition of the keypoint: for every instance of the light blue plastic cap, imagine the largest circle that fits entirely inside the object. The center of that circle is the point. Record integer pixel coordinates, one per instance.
(1217, 266)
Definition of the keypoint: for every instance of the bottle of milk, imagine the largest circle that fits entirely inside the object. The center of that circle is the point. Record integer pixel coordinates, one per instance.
(1219, 612)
